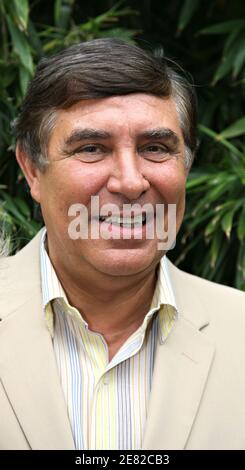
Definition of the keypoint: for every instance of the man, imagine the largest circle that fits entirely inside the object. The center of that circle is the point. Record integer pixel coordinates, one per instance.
(104, 344)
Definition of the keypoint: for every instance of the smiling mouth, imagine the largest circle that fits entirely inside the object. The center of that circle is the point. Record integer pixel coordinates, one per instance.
(125, 222)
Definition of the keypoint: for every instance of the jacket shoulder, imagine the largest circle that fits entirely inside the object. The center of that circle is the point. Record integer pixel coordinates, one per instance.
(19, 274)
(219, 302)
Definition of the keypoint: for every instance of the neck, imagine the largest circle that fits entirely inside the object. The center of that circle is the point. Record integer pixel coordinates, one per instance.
(106, 303)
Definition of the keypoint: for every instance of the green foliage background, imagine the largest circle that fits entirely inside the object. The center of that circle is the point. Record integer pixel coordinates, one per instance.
(205, 38)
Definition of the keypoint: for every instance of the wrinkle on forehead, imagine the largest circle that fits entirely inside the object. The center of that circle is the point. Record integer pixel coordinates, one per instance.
(129, 115)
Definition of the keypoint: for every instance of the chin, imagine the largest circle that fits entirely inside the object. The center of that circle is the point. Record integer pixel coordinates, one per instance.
(127, 262)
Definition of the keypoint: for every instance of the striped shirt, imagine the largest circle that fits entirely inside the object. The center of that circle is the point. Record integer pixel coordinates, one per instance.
(107, 402)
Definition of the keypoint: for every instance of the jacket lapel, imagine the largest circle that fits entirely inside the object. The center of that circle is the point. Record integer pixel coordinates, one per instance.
(181, 371)
(28, 369)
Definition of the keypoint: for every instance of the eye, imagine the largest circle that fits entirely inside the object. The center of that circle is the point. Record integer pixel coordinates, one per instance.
(90, 153)
(90, 148)
(156, 148)
(155, 152)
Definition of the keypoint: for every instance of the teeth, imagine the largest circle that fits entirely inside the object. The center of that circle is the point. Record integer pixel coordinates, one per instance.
(125, 221)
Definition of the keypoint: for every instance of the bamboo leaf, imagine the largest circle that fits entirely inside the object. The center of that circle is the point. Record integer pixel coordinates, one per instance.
(212, 226)
(192, 182)
(7, 76)
(5, 218)
(226, 222)
(62, 13)
(215, 247)
(228, 58)
(195, 221)
(188, 9)
(240, 274)
(109, 16)
(219, 138)
(20, 12)
(119, 33)
(220, 189)
(239, 60)
(22, 206)
(222, 28)
(223, 207)
(236, 129)
(241, 225)
(20, 45)
(24, 79)
(230, 40)
(10, 206)
(224, 68)
(34, 40)
(51, 45)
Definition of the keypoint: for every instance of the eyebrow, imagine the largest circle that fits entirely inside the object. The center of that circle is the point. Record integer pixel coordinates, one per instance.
(86, 134)
(78, 135)
(161, 133)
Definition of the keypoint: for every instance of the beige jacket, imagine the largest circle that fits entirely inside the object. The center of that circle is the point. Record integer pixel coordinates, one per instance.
(198, 392)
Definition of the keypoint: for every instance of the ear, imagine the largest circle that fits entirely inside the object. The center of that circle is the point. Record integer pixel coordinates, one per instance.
(31, 172)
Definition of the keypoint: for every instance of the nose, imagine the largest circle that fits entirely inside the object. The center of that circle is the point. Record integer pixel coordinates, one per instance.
(126, 177)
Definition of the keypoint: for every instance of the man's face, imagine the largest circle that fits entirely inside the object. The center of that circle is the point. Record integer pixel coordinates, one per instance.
(125, 149)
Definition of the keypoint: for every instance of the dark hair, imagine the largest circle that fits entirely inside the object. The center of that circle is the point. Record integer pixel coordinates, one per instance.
(97, 69)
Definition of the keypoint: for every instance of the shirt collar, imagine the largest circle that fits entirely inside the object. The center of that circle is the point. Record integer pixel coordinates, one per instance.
(163, 299)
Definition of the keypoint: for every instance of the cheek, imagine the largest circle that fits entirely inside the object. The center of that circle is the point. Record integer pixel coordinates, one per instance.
(86, 181)
(71, 184)
(172, 187)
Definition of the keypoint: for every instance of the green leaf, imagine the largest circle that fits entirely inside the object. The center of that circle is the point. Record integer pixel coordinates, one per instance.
(222, 28)
(20, 45)
(188, 9)
(241, 225)
(236, 129)
(109, 16)
(5, 218)
(240, 274)
(232, 37)
(195, 221)
(212, 226)
(20, 13)
(24, 79)
(10, 206)
(224, 68)
(192, 182)
(57, 12)
(226, 222)
(219, 138)
(62, 13)
(221, 188)
(7, 76)
(52, 45)
(119, 33)
(215, 247)
(223, 207)
(23, 207)
(34, 40)
(239, 60)
(228, 58)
